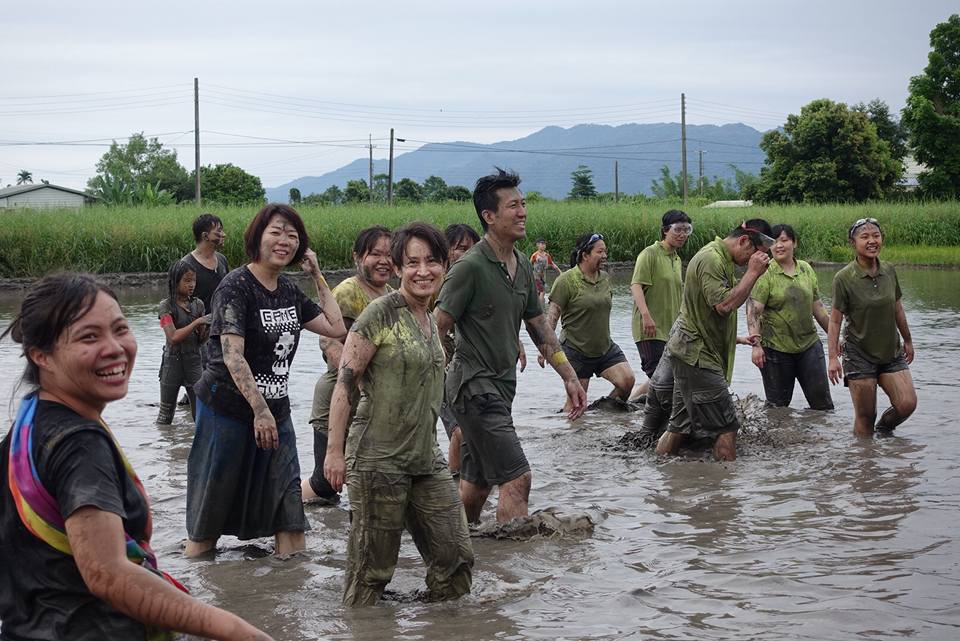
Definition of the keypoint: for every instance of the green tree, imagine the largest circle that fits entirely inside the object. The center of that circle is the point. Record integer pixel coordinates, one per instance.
(379, 193)
(670, 187)
(333, 195)
(829, 153)
(24, 177)
(141, 162)
(458, 193)
(582, 184)
(357, 191)
(932, 114)
(888, 127)
(230, 185)
(434, 189)
(408, 190)
(295, 197)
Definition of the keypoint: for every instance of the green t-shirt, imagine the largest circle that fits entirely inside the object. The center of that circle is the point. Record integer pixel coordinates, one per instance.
(395, 429)
(869, 304)
(703, 338)
(487, 307)
(660, 274)
(788, 324)
(584, 311)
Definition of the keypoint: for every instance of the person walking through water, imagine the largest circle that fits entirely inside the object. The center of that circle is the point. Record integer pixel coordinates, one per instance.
(867, 293)
(781, 311)
(485, 295)
(208, 263)
(702, 344)
(184, 322)
(371, 255)
(541, 260)
(393, 466)
(581, 298)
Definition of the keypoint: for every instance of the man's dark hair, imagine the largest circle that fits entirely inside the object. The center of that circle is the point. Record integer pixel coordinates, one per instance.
(458, 231)
(51, 306)
(368, 238)
(485, 196)
(251, 237)
(776, 230)
(205, 223)
(425, 232)
(752, 228)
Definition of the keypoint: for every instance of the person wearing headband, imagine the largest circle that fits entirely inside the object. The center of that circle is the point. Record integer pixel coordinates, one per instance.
(877, 348)
(702, 343)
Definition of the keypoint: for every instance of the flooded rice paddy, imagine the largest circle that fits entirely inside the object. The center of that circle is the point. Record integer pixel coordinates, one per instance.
(810, 534)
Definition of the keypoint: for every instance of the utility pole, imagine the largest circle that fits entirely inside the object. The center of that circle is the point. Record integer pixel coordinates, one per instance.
(683, 144)
(371, 163)
(196, 138)
(616, 182)
(390, 172)
(701, 173)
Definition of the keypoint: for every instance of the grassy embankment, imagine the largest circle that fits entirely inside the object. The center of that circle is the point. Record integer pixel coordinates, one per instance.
(130, 239)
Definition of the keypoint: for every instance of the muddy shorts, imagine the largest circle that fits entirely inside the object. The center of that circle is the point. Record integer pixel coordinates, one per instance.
(382, 505)
(651, 353)
(782, 369)
(657, 410)
(702, 405)
(590, 366)
(490, 453)
(857, 365)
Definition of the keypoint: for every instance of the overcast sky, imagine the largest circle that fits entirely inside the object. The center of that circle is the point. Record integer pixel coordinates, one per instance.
(332, 73)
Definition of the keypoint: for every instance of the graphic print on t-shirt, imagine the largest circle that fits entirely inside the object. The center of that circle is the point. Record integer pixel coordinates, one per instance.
(285, 324)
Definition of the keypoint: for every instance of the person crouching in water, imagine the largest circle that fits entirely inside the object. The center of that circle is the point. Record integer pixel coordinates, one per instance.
(581, 299)
(393, 465)
(184, 322)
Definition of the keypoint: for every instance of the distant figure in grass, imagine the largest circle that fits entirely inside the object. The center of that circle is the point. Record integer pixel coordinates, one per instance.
(208, 263)
(541, 260)
(581, 299)
(867, 293)
(703, 341)
(781, 311)
(184, 322)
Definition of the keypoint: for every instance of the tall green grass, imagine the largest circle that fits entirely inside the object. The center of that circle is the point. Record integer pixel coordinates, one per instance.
(141, 239)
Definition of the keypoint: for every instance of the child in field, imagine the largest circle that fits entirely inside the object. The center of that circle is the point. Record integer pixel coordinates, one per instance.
(541, 259)
(184, 322)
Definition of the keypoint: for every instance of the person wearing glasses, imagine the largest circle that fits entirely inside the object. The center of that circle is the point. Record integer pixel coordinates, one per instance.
(781, 310)
(867, 293)
(581, 299)
(702, 344)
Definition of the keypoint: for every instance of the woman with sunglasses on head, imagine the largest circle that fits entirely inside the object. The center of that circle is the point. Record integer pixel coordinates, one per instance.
(867, 293)
(781, 311)
(75, 524)
(581, 299)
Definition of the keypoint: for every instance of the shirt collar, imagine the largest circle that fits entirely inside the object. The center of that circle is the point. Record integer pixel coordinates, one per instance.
(721, 248)
(861, 272)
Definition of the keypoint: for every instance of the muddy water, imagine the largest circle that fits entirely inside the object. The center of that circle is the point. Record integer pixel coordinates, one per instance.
(832, 538)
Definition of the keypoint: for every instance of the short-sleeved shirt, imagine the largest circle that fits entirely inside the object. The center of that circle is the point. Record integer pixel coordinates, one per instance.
(395, 428)
(487, 307)
(270, 323)
(869, 304)
(788, 324)
(702, 337)
(42, 595)
(181, 318)
(540, 261)
(584, 311)
(660, 273)
(207, 279)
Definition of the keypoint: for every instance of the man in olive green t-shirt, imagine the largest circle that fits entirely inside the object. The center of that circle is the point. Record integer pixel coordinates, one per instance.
(701, 347)
(486, 294)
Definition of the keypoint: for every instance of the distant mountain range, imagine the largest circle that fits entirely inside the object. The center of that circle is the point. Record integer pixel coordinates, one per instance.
(546, 158)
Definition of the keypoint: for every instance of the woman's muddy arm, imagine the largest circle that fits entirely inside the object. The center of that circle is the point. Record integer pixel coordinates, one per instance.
(264, 424)
(353, 363)
(904, 329)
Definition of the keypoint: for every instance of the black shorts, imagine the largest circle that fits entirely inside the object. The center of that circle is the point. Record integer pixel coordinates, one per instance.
(857, 365)
(589, 366)
(491, 453)
(650, 354)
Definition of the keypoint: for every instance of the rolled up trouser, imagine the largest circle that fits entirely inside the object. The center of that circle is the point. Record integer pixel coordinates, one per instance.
(702, 406)
(656, 413)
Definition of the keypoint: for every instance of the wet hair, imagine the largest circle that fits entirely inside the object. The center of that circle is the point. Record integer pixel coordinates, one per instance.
(583, 246)
(178, 269)
(425, 232)
(254, 232)
(749, 229)
(670, 217)
(52, 306)
(783, 228)
(368, 238)
(204, 223)
(485, 196)
(456, 232)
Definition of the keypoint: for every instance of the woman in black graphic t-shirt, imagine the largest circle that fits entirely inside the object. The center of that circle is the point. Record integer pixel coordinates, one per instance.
(243, 474)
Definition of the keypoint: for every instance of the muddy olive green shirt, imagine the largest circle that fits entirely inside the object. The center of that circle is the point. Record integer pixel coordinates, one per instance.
(787, 323)
(660, 274)
(487, 307)
(395, 429)
(869, 304)
(584, 311)
(703, 338)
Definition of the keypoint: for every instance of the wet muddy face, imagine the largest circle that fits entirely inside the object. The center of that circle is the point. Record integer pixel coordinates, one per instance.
(187, 284)
(867, 241)
(376, 266)
(421, 272)
(509, 222)
(596, 257)
(279, 243)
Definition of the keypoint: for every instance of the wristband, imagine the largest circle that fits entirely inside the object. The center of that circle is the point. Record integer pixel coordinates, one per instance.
(321, 279)
(558, 358)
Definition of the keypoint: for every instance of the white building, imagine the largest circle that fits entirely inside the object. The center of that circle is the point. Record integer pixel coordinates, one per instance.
(43, 195)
